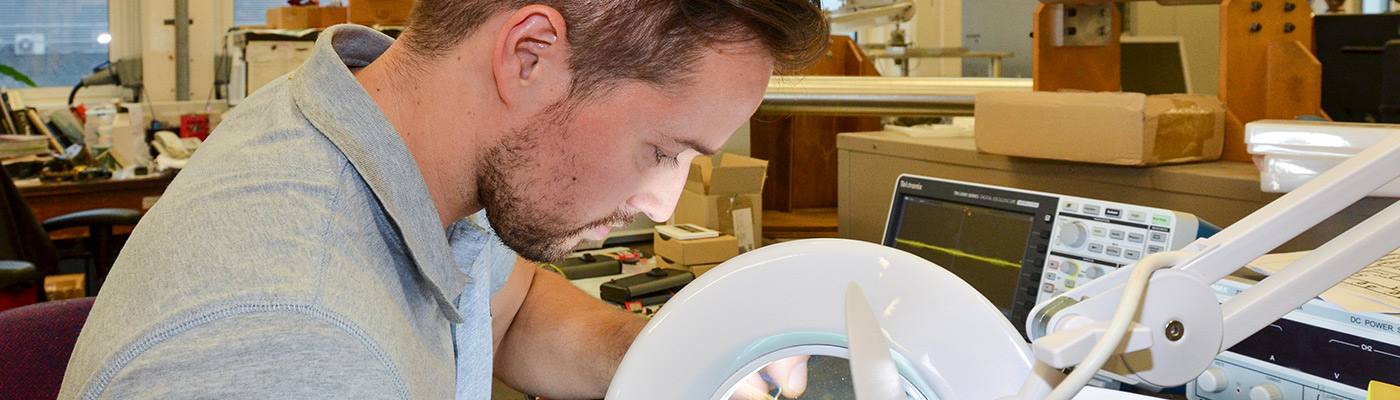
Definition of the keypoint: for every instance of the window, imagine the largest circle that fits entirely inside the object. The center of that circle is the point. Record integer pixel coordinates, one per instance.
(254, 12)
(54, 42)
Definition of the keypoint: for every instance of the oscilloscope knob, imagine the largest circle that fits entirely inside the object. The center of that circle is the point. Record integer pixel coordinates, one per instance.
(1074, 234)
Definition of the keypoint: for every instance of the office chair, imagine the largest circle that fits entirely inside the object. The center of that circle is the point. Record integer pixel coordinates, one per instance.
(23, 238)
(36, 342)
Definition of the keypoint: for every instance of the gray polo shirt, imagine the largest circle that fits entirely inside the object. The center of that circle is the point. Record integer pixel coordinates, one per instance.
(297, 256)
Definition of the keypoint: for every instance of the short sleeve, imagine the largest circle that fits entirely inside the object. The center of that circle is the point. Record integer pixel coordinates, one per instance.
(263, 355)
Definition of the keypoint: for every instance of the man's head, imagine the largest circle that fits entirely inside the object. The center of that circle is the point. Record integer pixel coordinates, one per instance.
(603, 103)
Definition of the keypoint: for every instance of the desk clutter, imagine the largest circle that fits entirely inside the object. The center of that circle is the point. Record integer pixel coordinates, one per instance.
(724, 192)
(96, 141)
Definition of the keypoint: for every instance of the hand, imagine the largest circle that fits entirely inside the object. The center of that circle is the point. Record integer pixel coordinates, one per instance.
(789, 374)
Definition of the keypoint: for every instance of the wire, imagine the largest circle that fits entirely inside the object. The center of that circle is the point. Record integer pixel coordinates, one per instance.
(74, 94)
(1118, 327)
(555, 268)
(774, 383)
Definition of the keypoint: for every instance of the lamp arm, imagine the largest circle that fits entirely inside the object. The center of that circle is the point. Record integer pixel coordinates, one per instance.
(1234, 247)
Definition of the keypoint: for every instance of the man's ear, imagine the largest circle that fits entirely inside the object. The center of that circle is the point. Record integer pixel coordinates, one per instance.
(530, 58)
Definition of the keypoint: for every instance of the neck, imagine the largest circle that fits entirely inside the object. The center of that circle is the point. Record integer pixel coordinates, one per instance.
(429, 108)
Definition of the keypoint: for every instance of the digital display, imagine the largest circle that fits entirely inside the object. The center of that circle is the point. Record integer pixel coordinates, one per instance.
(1347, 359)
(983, 246)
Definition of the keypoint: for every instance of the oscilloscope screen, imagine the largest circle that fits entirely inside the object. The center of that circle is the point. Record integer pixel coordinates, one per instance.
(981, 245)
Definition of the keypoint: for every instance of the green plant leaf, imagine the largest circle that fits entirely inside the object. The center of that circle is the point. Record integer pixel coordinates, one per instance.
(16, 75)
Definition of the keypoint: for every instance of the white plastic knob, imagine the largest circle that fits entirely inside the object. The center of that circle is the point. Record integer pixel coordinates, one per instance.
(1214, 380)
(1073, 234)
(1093, 272)
(1267, 391)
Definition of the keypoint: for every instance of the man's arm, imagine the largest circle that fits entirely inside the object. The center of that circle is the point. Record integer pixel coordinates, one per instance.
(554, 340)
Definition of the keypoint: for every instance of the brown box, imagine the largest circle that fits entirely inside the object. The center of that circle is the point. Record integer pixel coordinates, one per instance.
(331, 16)
(304, 17)
(695, 251)
(720, 188)
(694, 269)
(379, 12)
(1106, 128)
(64, 287)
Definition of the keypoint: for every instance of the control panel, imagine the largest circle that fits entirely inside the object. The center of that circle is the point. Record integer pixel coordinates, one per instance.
(1317, 352)
(1094, 237)
(1020, 247)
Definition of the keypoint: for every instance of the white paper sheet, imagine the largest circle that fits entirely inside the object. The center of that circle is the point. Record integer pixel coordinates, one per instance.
(1375, 288)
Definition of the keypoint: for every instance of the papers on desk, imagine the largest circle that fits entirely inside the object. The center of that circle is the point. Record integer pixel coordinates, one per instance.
(1375, 288)
(22, 145)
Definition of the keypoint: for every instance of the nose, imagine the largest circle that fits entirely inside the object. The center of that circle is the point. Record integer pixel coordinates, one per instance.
(657, 198)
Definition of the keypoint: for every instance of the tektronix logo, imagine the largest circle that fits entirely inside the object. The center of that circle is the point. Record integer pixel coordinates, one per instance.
(911, 185)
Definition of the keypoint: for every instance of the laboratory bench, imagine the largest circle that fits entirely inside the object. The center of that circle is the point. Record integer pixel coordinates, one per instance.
(1221, 192)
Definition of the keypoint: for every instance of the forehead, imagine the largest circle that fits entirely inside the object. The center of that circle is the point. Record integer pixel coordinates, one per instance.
(725, 87)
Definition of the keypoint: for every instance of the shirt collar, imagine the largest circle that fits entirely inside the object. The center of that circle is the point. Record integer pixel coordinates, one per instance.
(334, 102)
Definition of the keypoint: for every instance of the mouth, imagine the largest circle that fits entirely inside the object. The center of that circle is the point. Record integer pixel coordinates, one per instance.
(599, 232)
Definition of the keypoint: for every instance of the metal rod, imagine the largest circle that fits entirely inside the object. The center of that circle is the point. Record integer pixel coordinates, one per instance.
(182, 49)
(880, 96)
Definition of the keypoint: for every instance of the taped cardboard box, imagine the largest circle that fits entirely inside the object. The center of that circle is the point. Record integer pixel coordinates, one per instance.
(695, 251)
(725, 193)
(1106, 128)
(379, 12)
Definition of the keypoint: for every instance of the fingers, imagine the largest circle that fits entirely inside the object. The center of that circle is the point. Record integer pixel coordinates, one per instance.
(790, 374)
(753, 387)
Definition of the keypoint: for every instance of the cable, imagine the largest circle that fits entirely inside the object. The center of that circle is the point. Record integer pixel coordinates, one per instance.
(555, 268)
(1118, 327)
(74, 94)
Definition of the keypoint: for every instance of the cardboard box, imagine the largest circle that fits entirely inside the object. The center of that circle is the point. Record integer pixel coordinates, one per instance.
(1105, 128)
(694, 269)
(64, 287)
(379, 12)
(305, 17)
(695, 251)
(725, 193)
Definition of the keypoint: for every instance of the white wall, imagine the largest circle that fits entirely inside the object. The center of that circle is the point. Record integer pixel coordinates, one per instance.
(1199, 28)
(210, 19)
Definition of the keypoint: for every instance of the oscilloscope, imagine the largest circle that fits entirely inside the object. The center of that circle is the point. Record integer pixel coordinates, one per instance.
(1019, 247)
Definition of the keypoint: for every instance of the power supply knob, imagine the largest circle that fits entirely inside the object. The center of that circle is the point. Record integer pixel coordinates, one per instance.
(1214, 380)
(1073, 234)
(1266, 391)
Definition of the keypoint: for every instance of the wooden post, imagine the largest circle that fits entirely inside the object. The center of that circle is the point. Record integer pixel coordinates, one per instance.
(1266, 65)
(1092, 68)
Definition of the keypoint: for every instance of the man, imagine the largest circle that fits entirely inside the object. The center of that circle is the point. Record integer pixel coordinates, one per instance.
(317, 246)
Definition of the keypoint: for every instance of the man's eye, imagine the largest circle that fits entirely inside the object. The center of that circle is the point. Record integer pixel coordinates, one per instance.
(665, 159)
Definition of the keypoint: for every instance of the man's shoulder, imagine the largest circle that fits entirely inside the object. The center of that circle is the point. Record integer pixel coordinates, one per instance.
(247, 350)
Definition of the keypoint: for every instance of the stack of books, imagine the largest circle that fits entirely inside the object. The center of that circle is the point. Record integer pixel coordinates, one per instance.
(22, 145)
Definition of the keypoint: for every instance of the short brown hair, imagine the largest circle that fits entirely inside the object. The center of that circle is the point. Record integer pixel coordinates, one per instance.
(657, 42)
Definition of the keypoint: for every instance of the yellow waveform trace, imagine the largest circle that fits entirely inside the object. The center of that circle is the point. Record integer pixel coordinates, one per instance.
(957, 253)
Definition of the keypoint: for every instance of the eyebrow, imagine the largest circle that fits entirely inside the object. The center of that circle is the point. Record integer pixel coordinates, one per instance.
(693, 145)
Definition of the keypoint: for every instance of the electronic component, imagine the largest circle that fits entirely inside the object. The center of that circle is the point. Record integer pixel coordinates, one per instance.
(659, 283)
(588, 265)
(1019, 247)
(686, 231)
(1314, 352)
